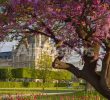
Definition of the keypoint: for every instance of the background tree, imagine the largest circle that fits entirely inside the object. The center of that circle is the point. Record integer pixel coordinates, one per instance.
(45, 67)
(71, 24)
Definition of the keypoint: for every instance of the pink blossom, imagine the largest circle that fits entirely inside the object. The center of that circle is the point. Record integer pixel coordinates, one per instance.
(96, 2)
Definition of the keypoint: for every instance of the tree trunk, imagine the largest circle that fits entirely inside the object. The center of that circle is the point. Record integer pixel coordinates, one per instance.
(105, 73)
(88, 73)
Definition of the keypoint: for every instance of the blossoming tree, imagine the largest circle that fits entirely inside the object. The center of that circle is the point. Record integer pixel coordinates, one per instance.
(71, 24)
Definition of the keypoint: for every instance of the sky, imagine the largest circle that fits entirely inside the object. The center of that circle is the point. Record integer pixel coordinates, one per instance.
(7, 46)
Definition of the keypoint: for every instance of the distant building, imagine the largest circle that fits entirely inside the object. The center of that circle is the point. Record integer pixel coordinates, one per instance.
(27, 54)
(6, 59)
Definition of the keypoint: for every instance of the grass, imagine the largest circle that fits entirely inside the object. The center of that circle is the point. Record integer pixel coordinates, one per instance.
(70, 96)
(32, 90)
(38, 94)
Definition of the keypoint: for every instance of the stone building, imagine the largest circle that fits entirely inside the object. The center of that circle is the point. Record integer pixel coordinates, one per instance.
(28, 55)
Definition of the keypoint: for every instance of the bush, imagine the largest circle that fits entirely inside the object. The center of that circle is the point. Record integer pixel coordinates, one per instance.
(30, 84)
(5, 73)
(61, 84)
(39, 84)
(21, 72)
(75, 84)
(25, 84)
(17, 72)
(11, 84)
(35, 84)
(49, 84)
(31, 73)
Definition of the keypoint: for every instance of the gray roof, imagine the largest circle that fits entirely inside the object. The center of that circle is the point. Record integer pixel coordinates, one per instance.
(6, 55)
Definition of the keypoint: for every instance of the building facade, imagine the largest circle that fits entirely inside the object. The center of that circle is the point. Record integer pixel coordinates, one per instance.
(27, 56)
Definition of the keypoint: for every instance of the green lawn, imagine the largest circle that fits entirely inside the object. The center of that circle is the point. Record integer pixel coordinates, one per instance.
(38, 94)
(68, 96)
(32, 90)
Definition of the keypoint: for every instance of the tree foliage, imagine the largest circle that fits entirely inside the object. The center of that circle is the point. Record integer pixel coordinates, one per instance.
(71, 24)
(45, 66)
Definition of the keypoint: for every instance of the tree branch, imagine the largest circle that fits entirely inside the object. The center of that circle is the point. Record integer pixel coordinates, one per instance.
(90, 76)
(61, 65)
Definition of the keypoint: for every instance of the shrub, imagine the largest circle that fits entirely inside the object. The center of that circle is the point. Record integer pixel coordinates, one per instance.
(61, 84)
(35, 84)
(5, 73)
(49, 84)
(75, 84)
(11, 84)
(21, 72)
(25, 84)
(30, 85)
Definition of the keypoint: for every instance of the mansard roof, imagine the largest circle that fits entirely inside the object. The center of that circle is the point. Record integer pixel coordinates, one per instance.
(6, 55)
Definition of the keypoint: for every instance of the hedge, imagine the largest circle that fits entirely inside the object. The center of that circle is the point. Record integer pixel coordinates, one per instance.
(21, 72)
(5, 73)
(61, 84)
(29, 84)
(38, 84)
(30, 73)
(77, 85)
(11, 84)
